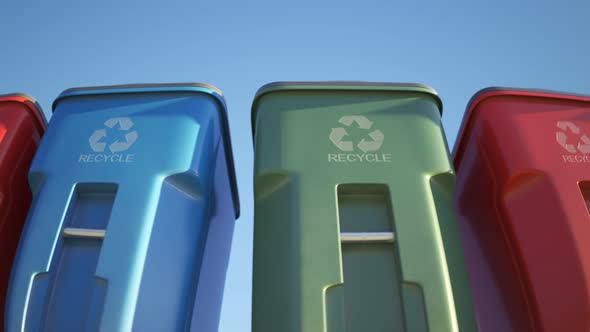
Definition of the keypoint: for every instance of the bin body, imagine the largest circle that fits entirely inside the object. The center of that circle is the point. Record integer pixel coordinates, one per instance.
(133, 213)
(522, 199)
(21, 127)
(354, 221)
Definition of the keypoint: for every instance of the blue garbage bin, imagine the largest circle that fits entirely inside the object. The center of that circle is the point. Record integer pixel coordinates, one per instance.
(132, 218)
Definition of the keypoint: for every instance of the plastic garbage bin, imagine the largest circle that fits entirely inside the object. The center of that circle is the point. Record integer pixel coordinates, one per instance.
(133, 215)
(21, 125)
(355, 226)
(523, 171)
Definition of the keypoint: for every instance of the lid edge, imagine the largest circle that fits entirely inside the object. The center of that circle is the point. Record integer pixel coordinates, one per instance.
(138, 88)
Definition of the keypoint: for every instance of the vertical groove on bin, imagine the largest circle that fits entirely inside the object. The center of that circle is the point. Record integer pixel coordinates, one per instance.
(372, 278)
(73, 295)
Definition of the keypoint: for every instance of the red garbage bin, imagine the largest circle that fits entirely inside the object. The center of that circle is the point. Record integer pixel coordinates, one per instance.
(522, 160)
(21, 126)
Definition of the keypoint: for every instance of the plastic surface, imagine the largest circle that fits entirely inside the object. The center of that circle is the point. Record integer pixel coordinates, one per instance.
(354, 220)
(133, 215)
(522, 162)
(21, 127)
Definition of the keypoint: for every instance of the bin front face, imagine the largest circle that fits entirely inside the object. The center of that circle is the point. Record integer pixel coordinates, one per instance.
(133, 213)
(21, 127)
(354, 222)
(523, 163)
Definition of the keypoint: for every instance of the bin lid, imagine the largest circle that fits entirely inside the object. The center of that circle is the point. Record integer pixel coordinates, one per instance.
(32, 106)
(340, 86)
(199, 88)
(490, 92)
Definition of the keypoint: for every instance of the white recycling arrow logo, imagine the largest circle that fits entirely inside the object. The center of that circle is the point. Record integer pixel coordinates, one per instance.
(374, 142)
(562, 138)
(125, 124)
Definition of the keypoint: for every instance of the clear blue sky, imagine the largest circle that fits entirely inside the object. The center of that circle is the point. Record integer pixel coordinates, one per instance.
(455, 47)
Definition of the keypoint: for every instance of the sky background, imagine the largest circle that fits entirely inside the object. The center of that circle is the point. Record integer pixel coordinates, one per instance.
(455, 47)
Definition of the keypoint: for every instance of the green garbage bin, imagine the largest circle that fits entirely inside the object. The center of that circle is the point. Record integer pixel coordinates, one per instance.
(354, 226)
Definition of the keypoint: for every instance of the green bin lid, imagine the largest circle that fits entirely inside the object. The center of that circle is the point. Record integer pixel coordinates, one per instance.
(340, 86)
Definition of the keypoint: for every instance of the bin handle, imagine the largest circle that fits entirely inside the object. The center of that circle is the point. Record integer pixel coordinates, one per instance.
(86, 233)
(367, 237)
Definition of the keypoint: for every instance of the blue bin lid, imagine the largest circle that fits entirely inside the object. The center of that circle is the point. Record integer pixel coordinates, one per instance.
(199, 88)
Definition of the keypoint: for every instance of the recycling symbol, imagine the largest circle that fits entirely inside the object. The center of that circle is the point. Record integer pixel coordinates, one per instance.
(125, 124)
(368, 144)
(562, 138)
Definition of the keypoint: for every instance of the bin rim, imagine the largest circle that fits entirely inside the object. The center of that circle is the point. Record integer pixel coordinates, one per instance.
(339, 86)
(199, 88)
(32, 106)
(139, 88)
(496, 91)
